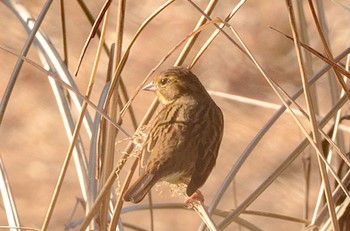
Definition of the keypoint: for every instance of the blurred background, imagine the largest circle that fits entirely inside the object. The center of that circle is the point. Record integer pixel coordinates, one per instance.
(33, 140)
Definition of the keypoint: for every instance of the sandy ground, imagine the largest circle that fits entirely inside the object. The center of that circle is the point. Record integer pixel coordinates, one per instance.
(33, 140)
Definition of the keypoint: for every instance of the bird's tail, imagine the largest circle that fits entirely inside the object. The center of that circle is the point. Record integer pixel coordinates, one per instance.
(140, 188)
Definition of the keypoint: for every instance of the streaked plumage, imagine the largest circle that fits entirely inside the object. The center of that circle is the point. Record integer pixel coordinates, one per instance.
(184, 140)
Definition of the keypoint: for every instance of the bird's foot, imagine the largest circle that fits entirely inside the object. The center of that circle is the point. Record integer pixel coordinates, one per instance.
(196, 196)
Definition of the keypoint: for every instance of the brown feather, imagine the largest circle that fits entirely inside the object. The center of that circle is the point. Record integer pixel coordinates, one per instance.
(184, 139)
(140, 188)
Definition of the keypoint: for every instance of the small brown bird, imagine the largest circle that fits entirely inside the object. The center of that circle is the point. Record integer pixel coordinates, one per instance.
(185, 137)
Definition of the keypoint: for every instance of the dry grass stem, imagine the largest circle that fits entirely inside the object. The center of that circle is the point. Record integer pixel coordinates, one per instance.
(313, 123)
(17, 228)
(299, 88)
(198, 206)
(191, 41)
(216, 33)
(73, 141)
(34, 29)
(8, 198)
(93, 32)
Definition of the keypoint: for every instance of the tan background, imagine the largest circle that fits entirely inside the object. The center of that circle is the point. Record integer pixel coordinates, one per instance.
(33, 142)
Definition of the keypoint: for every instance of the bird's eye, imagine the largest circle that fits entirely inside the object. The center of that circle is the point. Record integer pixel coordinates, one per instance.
(163, 82)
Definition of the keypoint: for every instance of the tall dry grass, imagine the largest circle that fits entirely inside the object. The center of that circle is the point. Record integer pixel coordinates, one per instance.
(73, 116)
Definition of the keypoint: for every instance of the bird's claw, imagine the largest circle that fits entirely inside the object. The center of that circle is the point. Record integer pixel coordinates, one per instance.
(197, 196)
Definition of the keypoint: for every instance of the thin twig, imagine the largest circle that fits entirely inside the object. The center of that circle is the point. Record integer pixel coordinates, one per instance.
(93, 33)
(114, 112)
(250, 147)
(251, 198)
(91, 20)
(312, 117)
(318, 54)
(73, 141)
(35, 27)
(216, 33)
(108, 143)
(115, 173)
(54, 76)
(327, 50)
(7, 198)
(18, 228)
(64, 32)
(124, 58)
(119, 204)
(192, 40)
(198, 206)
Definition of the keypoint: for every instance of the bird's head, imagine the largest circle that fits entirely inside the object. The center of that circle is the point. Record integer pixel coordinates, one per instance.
(175, 83)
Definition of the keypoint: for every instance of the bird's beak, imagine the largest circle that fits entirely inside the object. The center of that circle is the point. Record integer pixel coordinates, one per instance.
(150, 87)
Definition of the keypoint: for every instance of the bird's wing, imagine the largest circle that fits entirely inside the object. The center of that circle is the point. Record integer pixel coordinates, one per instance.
(148, 145)
(208, 149)
(140, 188)
(166, 139)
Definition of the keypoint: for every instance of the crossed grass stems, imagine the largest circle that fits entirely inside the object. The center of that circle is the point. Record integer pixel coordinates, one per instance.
(107, 125)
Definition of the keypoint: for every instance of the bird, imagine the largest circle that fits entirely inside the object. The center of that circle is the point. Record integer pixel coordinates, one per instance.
(183, 141)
